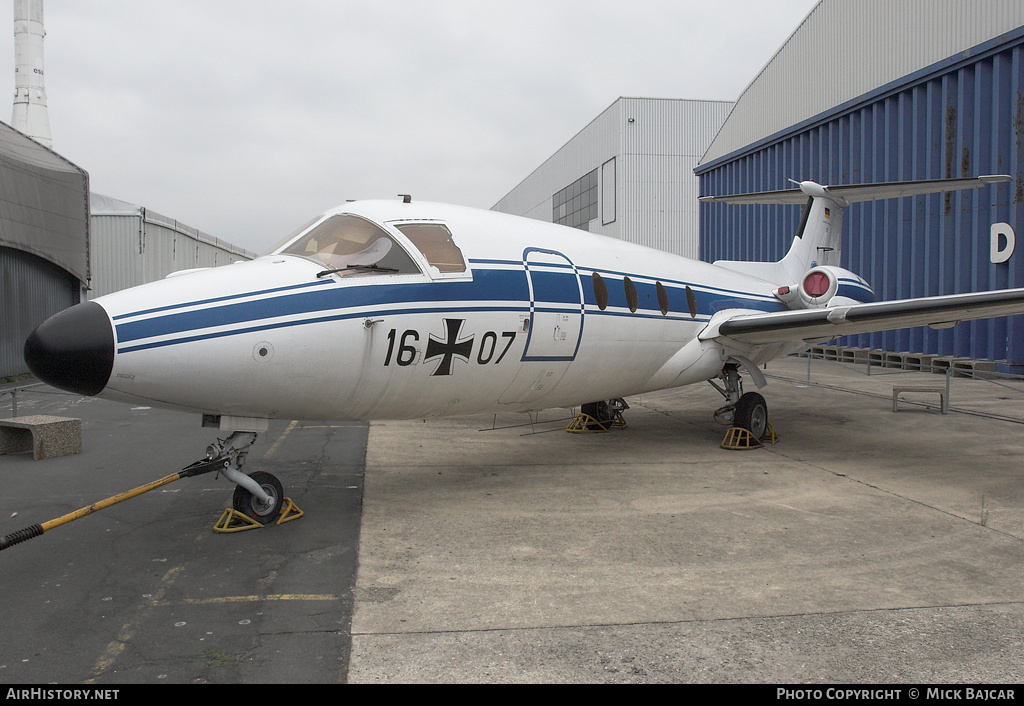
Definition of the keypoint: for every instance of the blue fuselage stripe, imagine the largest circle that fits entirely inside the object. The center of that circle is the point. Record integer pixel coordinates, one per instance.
(491, 289)
(488, 285)
(215, 300)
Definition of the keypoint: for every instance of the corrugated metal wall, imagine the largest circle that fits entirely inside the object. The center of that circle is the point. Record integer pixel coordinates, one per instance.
(961, 117)
(846, 48)
(44, 240)
(132, 246)
(662, 141)
(31, 290)
(44, 206)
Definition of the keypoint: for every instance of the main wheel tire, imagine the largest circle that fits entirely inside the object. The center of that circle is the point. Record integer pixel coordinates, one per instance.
(751, 413)
(250, 506)
(598, 411)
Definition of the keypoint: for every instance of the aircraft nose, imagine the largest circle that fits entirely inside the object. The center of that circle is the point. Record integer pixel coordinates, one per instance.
(73, 349)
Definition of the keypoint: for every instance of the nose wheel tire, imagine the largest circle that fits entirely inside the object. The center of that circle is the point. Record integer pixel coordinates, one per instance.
(751, 413)
(250, 506)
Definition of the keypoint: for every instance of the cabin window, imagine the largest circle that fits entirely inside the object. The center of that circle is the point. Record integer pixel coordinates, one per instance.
(631, 296)
(662, 298)
(353, 246)
(434, 240)
(600, 291)
(691, 302)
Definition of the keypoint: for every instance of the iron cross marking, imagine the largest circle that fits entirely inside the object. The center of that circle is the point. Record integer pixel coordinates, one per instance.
(449, 348)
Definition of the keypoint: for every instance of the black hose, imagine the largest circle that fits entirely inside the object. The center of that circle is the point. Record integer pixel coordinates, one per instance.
(20, 536)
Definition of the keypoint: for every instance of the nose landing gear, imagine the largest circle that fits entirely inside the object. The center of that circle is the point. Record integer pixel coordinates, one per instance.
(263, 511)
(259, 497)
(258, 500)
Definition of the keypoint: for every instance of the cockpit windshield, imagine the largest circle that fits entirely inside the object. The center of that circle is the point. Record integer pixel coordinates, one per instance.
(349, 245)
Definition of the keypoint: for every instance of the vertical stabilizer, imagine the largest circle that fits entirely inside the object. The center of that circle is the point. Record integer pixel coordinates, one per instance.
(819, 239)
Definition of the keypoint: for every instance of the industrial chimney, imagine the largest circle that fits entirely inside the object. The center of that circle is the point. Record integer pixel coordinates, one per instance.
(30, 115)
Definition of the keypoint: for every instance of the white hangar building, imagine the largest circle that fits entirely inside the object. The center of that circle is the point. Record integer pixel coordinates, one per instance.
(628, 174)
(862, 91)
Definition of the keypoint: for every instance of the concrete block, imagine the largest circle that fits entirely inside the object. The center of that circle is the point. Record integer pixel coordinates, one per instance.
(898, 390)
(849, 355)
(894, 359)
(862, 355)
(44, 435)
(918, 361)
(969, 368)
(941, 365)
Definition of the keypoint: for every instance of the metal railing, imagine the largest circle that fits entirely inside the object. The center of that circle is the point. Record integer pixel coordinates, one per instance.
(875, 363)
(13, 392)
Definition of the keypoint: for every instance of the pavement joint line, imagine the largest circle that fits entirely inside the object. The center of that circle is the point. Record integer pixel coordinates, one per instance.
(892, 494)
(693, 621)
(250, 599)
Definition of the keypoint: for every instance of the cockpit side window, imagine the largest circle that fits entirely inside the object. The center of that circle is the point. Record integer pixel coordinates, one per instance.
(353, 246)
(281, 243)
(434, 240)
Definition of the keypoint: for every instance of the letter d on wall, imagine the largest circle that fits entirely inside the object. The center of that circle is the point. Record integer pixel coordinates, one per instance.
(1001, 254)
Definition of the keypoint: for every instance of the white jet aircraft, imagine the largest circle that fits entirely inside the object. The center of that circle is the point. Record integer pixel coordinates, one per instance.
(406, 310)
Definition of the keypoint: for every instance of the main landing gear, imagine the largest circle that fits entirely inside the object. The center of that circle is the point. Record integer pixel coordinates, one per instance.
(599, 416)
(746, 415)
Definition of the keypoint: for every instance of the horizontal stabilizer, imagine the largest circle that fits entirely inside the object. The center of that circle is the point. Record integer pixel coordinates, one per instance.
(826, 324)
(853, 193)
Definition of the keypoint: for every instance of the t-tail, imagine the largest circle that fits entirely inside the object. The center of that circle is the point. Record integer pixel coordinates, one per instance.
(809, 276)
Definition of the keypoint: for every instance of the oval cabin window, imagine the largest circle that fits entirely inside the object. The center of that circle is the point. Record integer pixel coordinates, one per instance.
(662, 298)
(631, 296)
(600, 291)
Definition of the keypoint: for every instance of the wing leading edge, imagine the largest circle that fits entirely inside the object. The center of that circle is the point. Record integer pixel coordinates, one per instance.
(826, 324)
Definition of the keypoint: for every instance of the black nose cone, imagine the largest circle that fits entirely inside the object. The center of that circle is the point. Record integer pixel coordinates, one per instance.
(73, 350)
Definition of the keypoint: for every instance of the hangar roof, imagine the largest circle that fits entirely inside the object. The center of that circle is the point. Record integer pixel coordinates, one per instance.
(44, 203)
(847, 48)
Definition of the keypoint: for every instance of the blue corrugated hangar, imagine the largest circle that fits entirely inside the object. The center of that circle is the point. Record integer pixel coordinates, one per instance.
(862, 91)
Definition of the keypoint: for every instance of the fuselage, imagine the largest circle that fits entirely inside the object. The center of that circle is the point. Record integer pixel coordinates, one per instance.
(441, 310)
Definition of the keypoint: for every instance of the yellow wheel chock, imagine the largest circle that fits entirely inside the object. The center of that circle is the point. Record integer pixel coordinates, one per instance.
(233, 521)
(585, 424)
(738, 439)
(289, 511)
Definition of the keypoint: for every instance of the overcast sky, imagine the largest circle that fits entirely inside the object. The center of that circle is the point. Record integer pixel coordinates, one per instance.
(246, 118)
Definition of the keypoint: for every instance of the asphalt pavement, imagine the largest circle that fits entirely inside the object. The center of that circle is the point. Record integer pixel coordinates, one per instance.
(866, 546)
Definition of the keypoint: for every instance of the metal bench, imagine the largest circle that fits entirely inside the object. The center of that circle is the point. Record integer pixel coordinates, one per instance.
(898, 390)
(44, 435)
